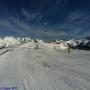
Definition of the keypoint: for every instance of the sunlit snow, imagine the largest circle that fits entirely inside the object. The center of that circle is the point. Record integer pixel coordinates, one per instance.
(49, 67)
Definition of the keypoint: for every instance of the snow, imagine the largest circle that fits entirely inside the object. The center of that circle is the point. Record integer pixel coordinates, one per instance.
(59, 44)
(45, 68)
(8, 41)
(11, 41)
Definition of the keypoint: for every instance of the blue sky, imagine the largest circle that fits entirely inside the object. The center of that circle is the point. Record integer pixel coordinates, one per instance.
(46, 19)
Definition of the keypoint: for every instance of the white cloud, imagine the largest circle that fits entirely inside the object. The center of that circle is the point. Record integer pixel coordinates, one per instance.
(30, 16)
(77, 17)
(75, 22)
(70, 24)
(16, 24)
(54, 33)
(4, 23)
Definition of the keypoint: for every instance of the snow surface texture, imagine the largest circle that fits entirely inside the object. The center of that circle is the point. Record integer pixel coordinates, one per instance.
(45, 68)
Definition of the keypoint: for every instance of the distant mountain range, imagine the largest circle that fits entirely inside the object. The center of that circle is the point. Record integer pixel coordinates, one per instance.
(60, 44)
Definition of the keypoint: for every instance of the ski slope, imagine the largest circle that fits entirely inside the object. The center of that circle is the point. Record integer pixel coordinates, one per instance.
(44, 68)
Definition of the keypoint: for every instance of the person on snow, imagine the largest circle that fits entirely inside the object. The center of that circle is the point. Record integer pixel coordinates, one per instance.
(69, 48)
(36, 44)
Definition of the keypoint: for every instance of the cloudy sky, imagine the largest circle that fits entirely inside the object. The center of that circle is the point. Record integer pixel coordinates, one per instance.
(46, 19)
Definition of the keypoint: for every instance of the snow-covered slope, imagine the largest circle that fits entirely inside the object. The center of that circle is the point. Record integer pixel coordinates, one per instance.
(45, 68)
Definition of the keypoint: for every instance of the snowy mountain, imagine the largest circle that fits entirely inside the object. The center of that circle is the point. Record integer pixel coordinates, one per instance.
(15, 42)
(78, 44)
(58, 44)
(12, 41)
(85, 45)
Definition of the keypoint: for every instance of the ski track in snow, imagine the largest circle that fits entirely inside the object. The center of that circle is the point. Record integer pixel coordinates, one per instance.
(44, 69)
